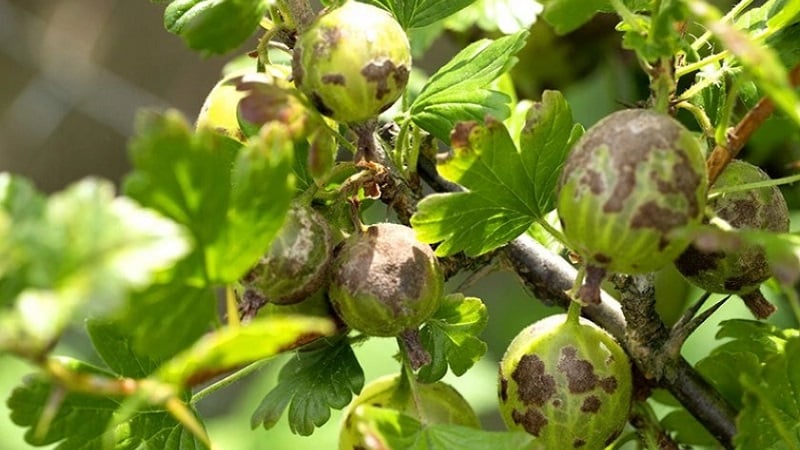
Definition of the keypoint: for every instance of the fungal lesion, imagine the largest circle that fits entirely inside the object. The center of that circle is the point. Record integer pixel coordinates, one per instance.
(531, 419)
(534, 385)
(381, 72)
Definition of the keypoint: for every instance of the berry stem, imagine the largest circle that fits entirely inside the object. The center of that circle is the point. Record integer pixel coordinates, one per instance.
(301, 13)
(412, 346)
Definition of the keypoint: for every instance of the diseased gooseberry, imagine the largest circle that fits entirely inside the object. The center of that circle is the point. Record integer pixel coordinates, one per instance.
(739, 271)
(631, 181)
(297, 262)
(567, 382)
(439, 403)
(353, 62)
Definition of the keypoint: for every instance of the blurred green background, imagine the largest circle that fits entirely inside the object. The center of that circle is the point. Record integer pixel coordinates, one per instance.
(73, 73)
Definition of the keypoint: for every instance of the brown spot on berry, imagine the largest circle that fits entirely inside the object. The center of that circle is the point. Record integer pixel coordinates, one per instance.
(594, 180)
(580, 373)
(577, 443)
(602, 258)
(609, 384)
(330, 40)
(557, 403)
(533, 420)
(694, 261)
(334, 78)
(379, 73)
(459, 137)
(651, 215)
(534, 385)
(591, 404)
(316, 99)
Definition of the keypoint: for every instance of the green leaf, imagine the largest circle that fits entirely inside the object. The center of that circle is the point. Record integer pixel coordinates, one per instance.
(399, 431)
(232, 199)
(459, 90)
(81, 421)
(506, 16)
(770, 417)
(233, 347)
(151, 429)
(214, 26)
(567, 15)
(85, 252)
(77, 421)
(723, 369)
(312, 383)
(451, 337)
(508, 188)
(165, 319)
(116, 350)
(23, 236)
(748, 344)
(419, 13)
(761, 63)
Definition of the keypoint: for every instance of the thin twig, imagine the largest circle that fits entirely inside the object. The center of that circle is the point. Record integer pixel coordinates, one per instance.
(723, 153)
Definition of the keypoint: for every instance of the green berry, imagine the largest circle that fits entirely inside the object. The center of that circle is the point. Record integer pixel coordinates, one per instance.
(631, 181)
(353, 62)
(384, 281)
(567, 382)
(297, 262)
(740, 271)
(219, 110)
(439, 403)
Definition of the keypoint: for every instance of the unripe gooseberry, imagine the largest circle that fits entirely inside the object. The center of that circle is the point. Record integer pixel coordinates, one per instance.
(742, 270)
(439, 403)
(384, 281)
(298, 261)
(567, 382)
(219, 110)
(353, 62)
(629, 183)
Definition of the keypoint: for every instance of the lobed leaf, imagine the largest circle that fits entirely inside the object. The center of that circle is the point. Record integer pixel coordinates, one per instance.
(398, 431)
(508, 189)
(459, 90)
(164, 319)
(116, 350)
(233, 347)
(89, 422)
(214, 26)
(84, 249)
(233, 199)
(451, 337)
(419, 13)
(310, 384)
(760, 62)
(770, 417)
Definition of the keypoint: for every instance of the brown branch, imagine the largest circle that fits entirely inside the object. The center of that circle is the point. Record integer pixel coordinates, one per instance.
(741, 133)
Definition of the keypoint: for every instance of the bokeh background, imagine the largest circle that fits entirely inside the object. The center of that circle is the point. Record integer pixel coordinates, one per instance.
(73, 74)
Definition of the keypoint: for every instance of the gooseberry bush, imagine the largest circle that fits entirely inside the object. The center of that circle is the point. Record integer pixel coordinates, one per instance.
(333, 190)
